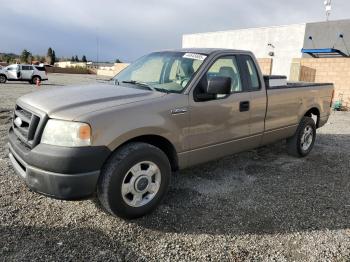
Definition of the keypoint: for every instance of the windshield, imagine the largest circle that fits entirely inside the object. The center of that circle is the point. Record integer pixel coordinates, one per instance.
(162, 71)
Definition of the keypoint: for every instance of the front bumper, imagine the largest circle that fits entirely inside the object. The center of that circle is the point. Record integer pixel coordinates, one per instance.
(59, 172)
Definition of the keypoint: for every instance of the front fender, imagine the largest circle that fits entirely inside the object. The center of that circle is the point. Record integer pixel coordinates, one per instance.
(113, 127)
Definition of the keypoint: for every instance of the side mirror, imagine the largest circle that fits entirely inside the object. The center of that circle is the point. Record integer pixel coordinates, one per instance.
(218, 85)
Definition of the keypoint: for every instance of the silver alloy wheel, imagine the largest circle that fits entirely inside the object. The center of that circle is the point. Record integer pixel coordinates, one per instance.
(307, 138)
(141, 184)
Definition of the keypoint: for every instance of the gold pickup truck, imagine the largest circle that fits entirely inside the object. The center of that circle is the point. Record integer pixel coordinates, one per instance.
(121, 140)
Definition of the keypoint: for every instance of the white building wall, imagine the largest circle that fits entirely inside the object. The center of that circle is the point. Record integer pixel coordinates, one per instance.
(69, 64)
(288, 41)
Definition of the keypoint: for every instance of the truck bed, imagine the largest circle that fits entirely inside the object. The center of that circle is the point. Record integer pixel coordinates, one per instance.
(299, 85)
(282, 79)
(288, 103)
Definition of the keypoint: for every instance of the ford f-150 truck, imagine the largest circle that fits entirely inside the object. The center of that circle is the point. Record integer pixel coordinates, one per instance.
(169, 110)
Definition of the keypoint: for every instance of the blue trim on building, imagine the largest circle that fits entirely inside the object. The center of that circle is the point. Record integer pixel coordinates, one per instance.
(323, 52)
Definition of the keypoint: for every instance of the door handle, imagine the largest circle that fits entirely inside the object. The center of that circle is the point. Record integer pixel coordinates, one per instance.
(178, 111)
(244, 106)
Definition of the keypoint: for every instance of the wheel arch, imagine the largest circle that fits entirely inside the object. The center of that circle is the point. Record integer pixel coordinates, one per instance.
(160, 142)
(3, 75)
(316, 112)
(36, 76)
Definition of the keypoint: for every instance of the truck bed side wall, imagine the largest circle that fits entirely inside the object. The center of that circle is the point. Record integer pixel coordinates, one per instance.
(286, 107)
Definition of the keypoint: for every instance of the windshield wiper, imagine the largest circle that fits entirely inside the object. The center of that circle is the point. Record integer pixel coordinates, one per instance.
(163, 90)
(133, 82)
(113, 81)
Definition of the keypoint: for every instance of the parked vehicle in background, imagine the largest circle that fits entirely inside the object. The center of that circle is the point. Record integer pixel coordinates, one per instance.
(167, 111)
(19, 72)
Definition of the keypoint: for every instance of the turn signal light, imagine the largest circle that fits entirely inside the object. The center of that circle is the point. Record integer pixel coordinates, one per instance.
(84, 132)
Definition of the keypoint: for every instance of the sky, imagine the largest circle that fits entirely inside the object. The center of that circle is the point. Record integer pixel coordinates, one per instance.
(131, 28)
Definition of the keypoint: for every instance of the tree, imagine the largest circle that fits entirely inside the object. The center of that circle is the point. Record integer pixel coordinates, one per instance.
(53, 58)
(118, 61)
(6, 58)
(72, 59)
(49, 52)
(26, 56)
(76, 59)
(30, 59)
(49, 56)
(37, 58)
(84, 59)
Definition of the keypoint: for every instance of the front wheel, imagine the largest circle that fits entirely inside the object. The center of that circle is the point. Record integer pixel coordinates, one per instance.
(3, 79)
(302, 142)
(134, 180)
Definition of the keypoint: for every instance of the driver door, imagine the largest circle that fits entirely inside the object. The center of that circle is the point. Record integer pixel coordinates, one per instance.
(27, 72)
(220, 126)
(12, 72)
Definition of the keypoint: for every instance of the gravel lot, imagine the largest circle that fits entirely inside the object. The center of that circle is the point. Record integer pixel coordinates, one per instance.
(259, 205)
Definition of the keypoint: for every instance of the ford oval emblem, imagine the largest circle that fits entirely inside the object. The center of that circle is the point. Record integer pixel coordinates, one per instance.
(18, 122)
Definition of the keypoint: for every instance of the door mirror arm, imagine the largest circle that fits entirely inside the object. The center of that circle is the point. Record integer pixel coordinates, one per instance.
(205, 97)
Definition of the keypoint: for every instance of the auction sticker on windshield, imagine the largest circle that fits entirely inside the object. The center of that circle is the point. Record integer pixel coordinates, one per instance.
(195, 56)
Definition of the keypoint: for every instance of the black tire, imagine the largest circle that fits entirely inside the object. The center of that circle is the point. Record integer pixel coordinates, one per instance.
(295, 143)
(115, 170)
(3, 79)
(35, 79)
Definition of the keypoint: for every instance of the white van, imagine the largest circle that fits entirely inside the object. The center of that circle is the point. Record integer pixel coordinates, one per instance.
(30, 73)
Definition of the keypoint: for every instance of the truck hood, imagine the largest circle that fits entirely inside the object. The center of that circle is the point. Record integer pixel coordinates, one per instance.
(69, 102)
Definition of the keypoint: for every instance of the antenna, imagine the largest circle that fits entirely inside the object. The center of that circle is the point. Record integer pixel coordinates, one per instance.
(328, 8)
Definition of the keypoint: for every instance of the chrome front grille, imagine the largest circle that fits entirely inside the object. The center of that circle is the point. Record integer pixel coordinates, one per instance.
(25, 125)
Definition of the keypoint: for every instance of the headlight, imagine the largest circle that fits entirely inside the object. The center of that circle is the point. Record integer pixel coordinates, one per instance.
(65, 133)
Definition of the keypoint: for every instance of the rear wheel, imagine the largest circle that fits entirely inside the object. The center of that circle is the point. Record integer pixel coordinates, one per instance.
(134, 180)
(3, 79)
(302, 142)
(35, 79)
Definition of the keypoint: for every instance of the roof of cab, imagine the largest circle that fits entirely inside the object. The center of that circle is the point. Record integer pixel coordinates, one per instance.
(205, 51)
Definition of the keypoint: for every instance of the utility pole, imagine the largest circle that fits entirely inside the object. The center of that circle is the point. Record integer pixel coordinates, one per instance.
(328, 8)
(97, 47)
(97, 50)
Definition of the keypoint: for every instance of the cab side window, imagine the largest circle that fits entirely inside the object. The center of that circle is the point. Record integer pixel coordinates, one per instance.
(227, 66)
(252, 73)
(27, 68)
(12, 68)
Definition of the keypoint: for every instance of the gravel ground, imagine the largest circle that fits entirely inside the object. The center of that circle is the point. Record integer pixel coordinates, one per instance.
(259, 205)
